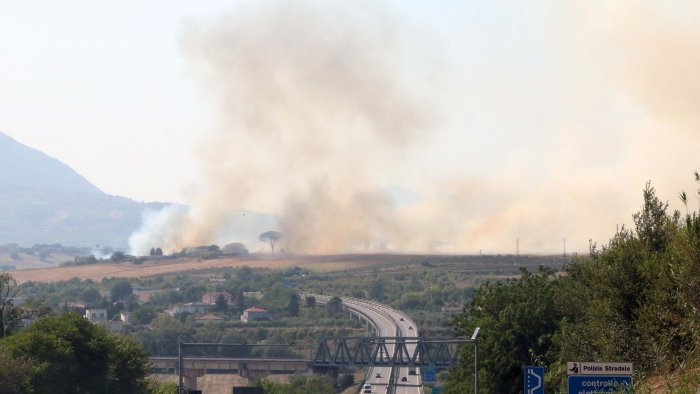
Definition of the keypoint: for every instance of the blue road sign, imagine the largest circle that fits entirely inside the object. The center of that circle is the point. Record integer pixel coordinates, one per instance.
(533, 379)
(588, 384)
(429, 375)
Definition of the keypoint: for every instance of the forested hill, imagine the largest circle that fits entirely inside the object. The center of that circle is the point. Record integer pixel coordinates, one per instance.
(42, 200)
(636, 299)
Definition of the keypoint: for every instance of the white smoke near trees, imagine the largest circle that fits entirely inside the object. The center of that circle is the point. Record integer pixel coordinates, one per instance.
(312, 106)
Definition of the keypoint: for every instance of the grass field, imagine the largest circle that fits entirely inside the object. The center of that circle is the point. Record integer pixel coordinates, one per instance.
(326, 263)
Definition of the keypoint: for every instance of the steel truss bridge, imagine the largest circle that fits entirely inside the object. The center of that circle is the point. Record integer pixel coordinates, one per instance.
(375, 351)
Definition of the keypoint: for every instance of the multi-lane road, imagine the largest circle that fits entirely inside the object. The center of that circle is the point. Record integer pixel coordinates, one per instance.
(388, 322)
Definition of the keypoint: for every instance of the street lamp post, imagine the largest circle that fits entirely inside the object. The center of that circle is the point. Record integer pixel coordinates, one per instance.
(179, 366)
(476, 360)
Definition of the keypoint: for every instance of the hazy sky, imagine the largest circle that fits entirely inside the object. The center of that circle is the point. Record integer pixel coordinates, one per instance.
(539, 119)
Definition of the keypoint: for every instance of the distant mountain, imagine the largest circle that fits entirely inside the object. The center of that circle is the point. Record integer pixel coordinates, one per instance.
(42, 200)
(28, 168)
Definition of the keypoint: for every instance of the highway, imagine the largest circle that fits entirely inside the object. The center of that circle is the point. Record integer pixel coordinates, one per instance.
(388, 322)
(413, 385)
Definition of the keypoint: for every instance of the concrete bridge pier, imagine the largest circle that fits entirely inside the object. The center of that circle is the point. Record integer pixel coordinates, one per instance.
(190, 378)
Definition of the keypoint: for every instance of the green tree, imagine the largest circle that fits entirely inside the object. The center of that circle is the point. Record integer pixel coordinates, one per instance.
(14, 374)
(310, 302)
(271, 237)
(220, 305)
(240, 302)
(637, 297)
(334, 306)
(71, 355)
(142, 315)
(10, 318)
(10, 315)
(164, 335)
(518, 320)
(293, 306)
(377, 290)
(121, 289)
(91, 296)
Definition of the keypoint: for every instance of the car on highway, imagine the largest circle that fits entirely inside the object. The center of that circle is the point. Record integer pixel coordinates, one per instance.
(410, 327)
(378, 375)
(367, 386)
(404, 379)
(401, 319)
(366, 391)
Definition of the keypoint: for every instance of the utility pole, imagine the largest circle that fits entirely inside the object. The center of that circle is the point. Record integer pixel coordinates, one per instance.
(564, 246)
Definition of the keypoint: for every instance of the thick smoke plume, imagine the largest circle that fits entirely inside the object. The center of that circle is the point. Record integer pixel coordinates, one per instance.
(322, 106)
(313, 103)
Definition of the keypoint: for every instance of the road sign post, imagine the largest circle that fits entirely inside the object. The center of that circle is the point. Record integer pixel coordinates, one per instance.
(429, 375)
(533, 380)
(599, 377)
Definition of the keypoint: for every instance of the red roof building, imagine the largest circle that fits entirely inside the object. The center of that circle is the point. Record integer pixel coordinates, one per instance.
(255, 313)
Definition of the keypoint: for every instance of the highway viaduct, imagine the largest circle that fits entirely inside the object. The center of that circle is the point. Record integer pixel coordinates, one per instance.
(396, 353)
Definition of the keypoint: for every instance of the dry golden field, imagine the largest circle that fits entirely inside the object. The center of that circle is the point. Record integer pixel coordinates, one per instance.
(129, 270)
(23, 260)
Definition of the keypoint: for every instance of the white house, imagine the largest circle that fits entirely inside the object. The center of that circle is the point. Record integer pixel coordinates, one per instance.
(96, 315)
(190, 307)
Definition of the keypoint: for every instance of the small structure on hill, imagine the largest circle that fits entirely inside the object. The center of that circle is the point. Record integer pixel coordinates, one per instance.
(254, 294)
(210, 297)
(254, 314)
(95, 316)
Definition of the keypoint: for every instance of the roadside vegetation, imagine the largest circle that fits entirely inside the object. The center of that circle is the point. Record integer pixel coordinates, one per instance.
(635, 299)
